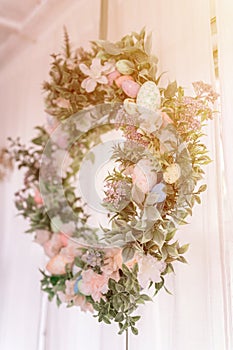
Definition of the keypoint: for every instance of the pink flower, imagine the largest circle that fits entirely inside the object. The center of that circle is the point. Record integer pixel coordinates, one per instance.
(62, 102)
(80, 300)
(112, 263)
(37, 197)
(93, 284)
(63, 239)
(113, 76)
(130, 88)
(144, 177)
(57, 265)
(53, 246)
(119, 81)
(70, 296)
(96, 74)
(71, 250)
(42, 236)
(150, 269)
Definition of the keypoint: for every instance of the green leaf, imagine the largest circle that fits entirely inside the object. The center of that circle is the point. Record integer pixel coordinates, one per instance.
(128, 253)
(134, 330)
(112, 284)
(170, 235)
(135, 318)
(151, 198)
(148, 43)
(119, 317)
(202, 188)
(172, 251)
(151, 214)
(159, 285)
(137, 195)
(197, 199)
(183, 249)
(167, 290)
(145, 297)
(147, 236)
(125, 270)
(171, 90)
(37, 140)
(106, 320)
(109, 47)
(182, 259)
(158, 238)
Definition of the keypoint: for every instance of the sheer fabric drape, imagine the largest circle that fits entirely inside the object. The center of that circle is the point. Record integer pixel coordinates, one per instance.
(187, 320)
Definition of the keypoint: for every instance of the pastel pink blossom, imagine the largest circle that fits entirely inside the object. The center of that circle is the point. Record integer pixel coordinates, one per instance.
(62, 102)
(94, 284)
(96, 74)
(63, 239)
(150, 269)
(71, 250)
(130, 88)
(37, 197)
(53, 246)
(112, 263)
(78, 300)
(42, 236)
(113, 76)
(144, 177)
(119, 81)
(57, 264)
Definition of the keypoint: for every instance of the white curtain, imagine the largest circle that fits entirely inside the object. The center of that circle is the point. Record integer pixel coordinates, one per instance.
(224, 15)
(198, 315)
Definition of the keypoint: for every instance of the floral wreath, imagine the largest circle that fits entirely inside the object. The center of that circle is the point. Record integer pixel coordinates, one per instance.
(150, 192)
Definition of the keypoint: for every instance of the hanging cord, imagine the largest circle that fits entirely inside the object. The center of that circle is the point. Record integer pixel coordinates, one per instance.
(103, 24)
(127, 339)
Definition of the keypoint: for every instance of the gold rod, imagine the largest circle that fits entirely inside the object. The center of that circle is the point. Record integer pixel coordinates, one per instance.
(103, 25)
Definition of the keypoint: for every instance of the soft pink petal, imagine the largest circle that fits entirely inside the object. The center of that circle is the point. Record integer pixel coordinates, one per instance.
(102, 80)
(90, 85)
(96, 64)
(84, 69)
(108, 67)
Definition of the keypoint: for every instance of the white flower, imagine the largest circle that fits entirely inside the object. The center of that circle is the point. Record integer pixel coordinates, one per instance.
(96, 74)
(150, 269)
